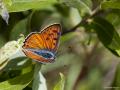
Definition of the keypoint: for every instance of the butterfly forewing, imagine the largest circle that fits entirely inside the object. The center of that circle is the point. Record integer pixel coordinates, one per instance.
(33, 41)
(50, 36)
(47, 39)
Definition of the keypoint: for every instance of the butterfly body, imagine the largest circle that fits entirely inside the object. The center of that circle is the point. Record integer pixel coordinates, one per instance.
(42, 46)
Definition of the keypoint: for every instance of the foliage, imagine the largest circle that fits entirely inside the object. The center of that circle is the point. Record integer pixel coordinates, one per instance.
(89, 50)
(61, 83)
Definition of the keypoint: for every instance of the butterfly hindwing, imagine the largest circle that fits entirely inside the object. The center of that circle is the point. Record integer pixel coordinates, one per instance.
(36, 57)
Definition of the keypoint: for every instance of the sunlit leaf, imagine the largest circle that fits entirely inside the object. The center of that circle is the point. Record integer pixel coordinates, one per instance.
(74, 16)
(4, 12)
(114, 18)
(8, 51)
(39, 82)
(61, 83)
(17, 83)
(82, 5)
(8, 2)
(111, 4)
(22, 5)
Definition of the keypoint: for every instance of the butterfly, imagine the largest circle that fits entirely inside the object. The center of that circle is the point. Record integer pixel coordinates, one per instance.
(42, 46)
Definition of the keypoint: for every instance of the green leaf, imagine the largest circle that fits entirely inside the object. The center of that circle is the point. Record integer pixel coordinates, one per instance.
(10, 51)
(116, 81)
(22, 5)
(114, 18)
(61, 83)
(39, 82)
(75, 17)
(8, 2)
(3, 64)
(2, 41)
(19, 28)
(38, 18)
(4, 12)
(17, 83)
(111, 4)
(84, 6)
(18, 63)
(107, 34)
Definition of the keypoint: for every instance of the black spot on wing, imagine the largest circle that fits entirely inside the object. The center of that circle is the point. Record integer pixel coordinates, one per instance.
(55, 38)
(50, 34)
(55, 31)
(54, 43)
(47, 38)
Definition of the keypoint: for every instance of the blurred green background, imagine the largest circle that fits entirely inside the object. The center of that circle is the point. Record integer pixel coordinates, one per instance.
(89, 50)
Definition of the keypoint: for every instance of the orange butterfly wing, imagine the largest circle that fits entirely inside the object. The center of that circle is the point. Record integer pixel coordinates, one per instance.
(46, 39)
(33, 41)
(50, 36)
